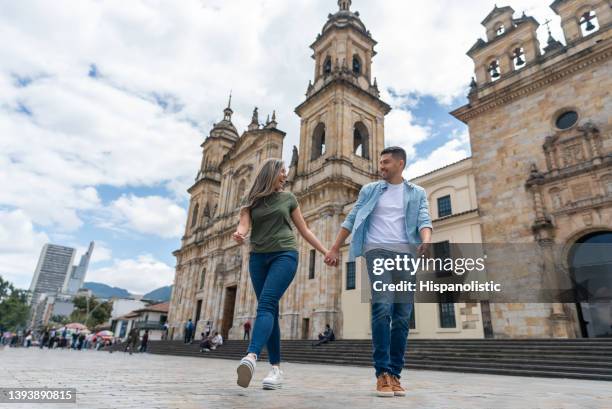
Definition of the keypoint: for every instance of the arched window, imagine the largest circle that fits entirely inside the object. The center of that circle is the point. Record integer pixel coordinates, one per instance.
(202, 277)
(356, 65)
(327, 65)
(518, 58)
(206, 210)
(588, 23)
(361, 140)
(494, 70)
(240, 192)
(501, 29)
(318, 141)
(194, 215)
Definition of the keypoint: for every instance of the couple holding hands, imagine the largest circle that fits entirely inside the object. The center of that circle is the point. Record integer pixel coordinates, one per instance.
(390, 217)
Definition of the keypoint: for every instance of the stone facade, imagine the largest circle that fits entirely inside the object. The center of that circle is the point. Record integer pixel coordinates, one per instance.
(541, 136)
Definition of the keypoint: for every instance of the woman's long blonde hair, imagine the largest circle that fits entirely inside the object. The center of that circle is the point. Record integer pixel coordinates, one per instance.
(263, 184)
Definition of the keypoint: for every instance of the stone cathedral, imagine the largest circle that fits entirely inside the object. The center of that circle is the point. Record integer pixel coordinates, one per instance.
(342, 128)
(540, 171)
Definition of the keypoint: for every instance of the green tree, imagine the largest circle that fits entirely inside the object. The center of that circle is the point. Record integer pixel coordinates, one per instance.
(14, 306)
(90, 311)
(58, 320)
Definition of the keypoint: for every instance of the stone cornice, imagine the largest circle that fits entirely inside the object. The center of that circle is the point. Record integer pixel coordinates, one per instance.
(452, 217)
(556, 175)
(203, 179)
(340, 80)
(584, 204)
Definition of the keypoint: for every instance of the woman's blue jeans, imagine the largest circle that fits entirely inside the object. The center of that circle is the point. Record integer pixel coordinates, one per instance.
(271, 274)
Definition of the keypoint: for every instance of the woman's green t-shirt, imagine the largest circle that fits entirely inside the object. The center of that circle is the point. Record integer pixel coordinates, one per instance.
(271, 223)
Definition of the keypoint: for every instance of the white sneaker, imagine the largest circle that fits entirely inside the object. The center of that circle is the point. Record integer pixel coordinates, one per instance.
(274, 380)
(245, 371)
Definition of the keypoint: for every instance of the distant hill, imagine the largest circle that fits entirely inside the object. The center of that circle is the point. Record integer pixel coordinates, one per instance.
(161, 294)
(106, 291)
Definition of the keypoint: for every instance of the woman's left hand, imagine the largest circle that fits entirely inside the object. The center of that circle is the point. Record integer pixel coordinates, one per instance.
(238, 237)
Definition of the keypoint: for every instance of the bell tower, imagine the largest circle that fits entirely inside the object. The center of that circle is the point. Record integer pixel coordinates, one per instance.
(342, 118)
(341, 135)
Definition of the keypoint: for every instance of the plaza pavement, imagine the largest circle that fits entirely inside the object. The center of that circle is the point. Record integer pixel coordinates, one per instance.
(118, 380)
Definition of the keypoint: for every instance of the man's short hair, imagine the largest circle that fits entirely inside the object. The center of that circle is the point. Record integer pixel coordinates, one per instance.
(397, 153)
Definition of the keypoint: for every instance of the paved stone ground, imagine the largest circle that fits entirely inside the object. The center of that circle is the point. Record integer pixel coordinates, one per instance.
(119, 380)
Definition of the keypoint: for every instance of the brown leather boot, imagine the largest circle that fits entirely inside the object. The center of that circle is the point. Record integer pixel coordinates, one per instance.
(383, 386)
(396, 387)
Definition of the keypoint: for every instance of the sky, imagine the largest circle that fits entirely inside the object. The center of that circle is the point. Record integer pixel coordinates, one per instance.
(104, 105)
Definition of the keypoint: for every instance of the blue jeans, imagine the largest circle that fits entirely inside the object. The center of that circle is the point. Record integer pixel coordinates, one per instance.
(390, 316)
(271, 274)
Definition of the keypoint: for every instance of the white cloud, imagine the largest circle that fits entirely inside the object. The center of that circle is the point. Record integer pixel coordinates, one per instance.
(139, 275)
(456, 148)
(400, 127)
(100, 253)
(20, 246)
(149, 215)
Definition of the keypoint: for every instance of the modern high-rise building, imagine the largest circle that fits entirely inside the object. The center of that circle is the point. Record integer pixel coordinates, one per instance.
(56, 281)
(77, 274)
(52, 271)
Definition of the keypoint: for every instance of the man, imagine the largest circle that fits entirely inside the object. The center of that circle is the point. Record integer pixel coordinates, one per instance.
(145, 340)
(75, 335)
(326, 336)
(389, 219)
(208, 328)
(165, 334)
(188, 331)
(247, 330)
(132, 341)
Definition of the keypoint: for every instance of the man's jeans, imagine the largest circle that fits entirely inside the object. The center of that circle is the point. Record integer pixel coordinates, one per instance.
(271, 274)
(391, 314)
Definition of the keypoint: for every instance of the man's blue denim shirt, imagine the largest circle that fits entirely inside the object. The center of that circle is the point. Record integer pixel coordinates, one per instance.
(415, 204)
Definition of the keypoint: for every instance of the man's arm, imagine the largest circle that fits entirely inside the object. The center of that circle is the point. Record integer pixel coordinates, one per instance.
(331, 258)
(424, 224)
(350, 218)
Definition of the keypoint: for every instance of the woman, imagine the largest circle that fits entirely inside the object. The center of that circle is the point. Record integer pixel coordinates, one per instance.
(273, 261)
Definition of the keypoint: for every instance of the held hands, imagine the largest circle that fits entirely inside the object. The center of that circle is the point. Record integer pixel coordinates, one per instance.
(422, 248)
(331, 257)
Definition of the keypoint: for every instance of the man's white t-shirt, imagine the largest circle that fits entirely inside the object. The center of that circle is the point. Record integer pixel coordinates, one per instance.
(387, 220)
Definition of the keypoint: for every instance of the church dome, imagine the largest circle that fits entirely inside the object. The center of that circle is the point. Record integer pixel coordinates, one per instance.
(344, 17)
(225, 126)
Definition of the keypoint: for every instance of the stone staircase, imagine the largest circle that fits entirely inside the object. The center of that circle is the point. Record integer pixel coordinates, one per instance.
(561, 358)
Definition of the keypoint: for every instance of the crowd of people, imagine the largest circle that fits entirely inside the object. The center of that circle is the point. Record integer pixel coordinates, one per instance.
(55, 338)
